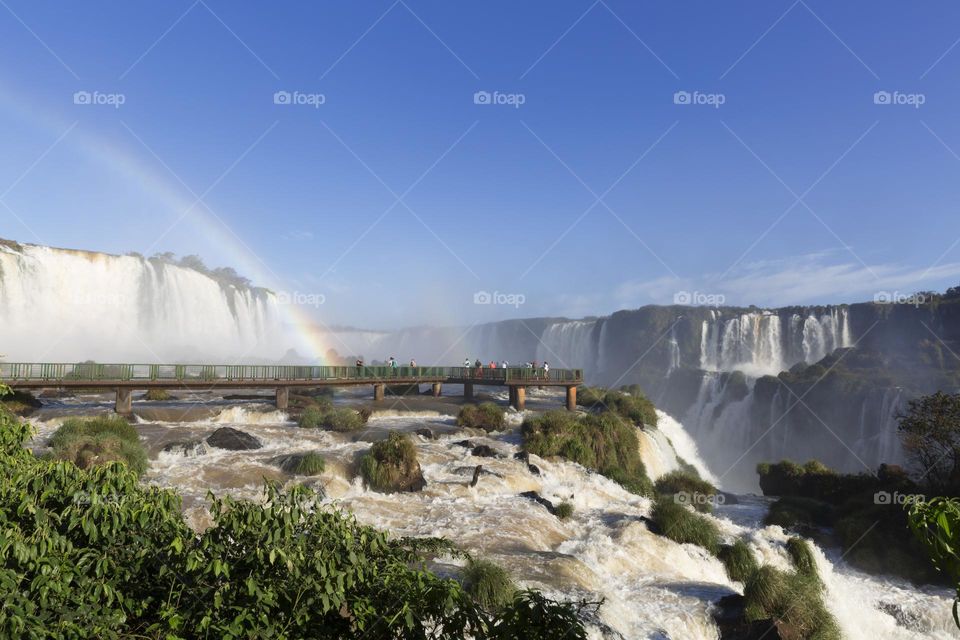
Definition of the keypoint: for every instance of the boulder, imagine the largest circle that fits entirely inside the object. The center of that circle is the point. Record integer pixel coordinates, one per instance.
(536, 497)
(534, 469)
(729, 612)
(186, 448)
(484, 451)
(426, 433)
(233, 440)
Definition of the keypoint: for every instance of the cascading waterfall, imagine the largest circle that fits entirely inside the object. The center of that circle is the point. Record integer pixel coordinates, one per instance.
(756, 343)
(570, 345)
(62, 305)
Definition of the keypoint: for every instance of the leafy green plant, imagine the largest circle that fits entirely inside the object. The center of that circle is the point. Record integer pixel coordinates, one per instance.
(486, 416)
(936, 524)
(92, 553)
(488, 584)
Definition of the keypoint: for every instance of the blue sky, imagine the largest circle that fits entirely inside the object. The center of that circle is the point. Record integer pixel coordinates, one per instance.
(400, 197)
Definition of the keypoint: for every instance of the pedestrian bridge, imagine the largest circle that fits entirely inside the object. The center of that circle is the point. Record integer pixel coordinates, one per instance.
(126, 378)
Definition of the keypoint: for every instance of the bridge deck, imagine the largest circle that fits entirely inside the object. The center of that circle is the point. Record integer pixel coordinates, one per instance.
(144, 376)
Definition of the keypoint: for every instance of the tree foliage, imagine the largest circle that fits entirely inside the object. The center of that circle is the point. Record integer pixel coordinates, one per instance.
(931, 437)
(936, 524)
(92, 553)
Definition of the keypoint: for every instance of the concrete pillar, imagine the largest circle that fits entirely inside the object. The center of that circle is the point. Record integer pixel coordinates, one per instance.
(571, 398)
(124, 404)
(519, 398)
(468, 390)
(283, 398)
(378, 390)
(437, 389)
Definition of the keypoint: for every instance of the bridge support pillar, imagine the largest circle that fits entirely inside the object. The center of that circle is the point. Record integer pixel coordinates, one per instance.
(571, 398)
(519, 398)
(437, 389)
(378, 390)
(124, 405)
(283, 398)
(468, 390)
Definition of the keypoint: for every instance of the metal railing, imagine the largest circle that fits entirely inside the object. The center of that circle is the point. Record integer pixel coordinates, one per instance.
(93, 372)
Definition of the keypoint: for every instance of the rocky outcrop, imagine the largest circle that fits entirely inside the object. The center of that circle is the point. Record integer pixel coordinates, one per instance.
(233, 440)
(186, 448)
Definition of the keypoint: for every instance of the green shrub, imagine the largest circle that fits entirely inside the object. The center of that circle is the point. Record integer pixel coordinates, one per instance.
(486, 416)
(602, 442)
(157, 395)
(333, 418)
(20, 402)
(311, 464)
(684, 526)
(488, 584)
(95, 554)
(738, 560)
(590, 397)
(97, 441)
(391, 465)
(564, 510)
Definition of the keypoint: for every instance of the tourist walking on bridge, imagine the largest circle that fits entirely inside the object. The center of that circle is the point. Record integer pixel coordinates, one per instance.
(359, 367)
(546, 370)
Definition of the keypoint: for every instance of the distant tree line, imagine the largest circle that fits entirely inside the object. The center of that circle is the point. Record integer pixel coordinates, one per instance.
(224, 275)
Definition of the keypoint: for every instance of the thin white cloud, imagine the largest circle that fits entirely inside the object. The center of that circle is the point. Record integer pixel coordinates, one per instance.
(807, 279)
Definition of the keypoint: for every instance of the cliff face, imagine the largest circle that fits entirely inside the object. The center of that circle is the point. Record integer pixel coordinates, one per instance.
(749, 384)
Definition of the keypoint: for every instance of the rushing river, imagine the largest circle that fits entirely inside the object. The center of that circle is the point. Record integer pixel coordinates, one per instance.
(651, 586)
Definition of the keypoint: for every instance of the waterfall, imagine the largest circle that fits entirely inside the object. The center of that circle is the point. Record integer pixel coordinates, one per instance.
(62, 305)
(764, 343)
(570, 344)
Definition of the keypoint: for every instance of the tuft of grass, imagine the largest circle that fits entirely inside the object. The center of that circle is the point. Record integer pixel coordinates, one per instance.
(684, 525)
(329, 417)
(629, 403)
(488, 584)
(97, 441)
(793, 599)
(391, 464)
(685, 483)
(157, 395)
(486, 416)
(602, 442)
(738, 560)
(802, 556)
(311, 464)
(564, 510)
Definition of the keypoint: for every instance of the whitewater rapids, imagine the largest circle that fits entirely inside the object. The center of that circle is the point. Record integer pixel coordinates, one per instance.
(651, 587)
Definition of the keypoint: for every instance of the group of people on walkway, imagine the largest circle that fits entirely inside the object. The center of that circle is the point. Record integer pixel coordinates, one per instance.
(477, 368)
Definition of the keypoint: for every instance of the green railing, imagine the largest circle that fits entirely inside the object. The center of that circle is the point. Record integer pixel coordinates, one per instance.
(90, 372)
